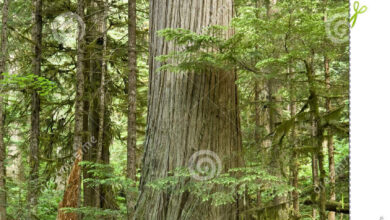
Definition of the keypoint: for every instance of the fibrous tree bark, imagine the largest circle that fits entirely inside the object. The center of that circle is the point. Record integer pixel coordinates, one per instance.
(32, 194)
(187, 112)
(3, 59)
(132, 103)
(72, 191)
(314, 171)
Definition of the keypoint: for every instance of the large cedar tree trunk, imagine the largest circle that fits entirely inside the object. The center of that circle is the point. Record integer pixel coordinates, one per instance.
(187, 112)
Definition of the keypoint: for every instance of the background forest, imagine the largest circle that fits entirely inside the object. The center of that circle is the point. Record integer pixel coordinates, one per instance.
(169, 109)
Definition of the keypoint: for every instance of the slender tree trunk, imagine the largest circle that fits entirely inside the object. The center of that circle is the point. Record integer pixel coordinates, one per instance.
(32, 195)
(107, 195)
(3, 155)
(295, 159)
(331, 162)
(15, 168)
(187, 112)
(314, 170)
(257, 131)
(86, 100)
(132, 104)
(102, 87)
(322, 173)
(257, 100)
(102, 98)
(258, 123)
(295, 172)
(79, 105)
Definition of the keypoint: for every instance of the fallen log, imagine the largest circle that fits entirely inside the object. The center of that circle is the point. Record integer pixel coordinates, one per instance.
(331, 206)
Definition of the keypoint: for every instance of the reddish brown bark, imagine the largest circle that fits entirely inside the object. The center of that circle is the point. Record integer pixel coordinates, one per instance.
(72, 191)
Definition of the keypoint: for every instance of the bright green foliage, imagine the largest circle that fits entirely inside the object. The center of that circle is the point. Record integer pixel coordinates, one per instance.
(242, 181)
(28, 82)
